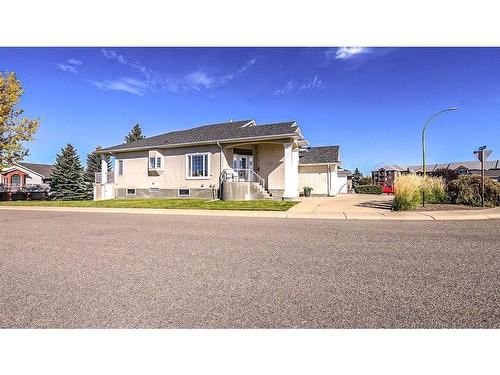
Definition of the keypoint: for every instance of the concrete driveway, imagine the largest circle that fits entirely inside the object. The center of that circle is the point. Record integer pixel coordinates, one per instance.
(344, 203)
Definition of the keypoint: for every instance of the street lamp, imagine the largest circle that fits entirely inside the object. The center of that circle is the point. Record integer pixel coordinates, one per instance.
(424, 171)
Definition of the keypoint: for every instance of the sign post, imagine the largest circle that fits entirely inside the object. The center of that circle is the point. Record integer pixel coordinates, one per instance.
(482, 154)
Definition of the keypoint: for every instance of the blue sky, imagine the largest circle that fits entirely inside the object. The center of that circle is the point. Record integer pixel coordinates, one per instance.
(371, 101)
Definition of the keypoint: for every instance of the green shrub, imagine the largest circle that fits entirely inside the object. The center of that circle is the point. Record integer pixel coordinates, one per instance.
(466, 189)
(446, 174)
(367, 180)
(408, 191)
(369, 189)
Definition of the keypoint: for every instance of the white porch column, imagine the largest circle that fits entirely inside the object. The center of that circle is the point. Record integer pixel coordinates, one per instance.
(333, 180)
(104, 170)
(104, 176)
(291, 164)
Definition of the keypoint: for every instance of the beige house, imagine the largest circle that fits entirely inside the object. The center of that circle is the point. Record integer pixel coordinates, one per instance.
(233, 160)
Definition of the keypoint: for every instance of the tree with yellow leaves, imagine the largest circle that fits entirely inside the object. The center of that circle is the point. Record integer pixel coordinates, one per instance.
(14, 127)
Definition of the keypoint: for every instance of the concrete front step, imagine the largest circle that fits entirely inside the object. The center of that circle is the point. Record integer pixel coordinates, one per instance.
(265, 194)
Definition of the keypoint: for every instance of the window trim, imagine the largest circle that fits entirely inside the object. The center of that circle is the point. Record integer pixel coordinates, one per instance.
(127, 193)
(182, 195)
(157, 163)
(187, 176)
(120, 167)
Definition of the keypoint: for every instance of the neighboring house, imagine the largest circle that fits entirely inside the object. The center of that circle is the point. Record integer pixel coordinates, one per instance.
(389, 173)
(22, 176)
(232, 160)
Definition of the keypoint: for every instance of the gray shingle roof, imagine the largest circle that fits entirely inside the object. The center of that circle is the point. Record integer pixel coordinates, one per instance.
(344, 172)
(393, 167)
(320, 155)
(212, 133)
(42, 169)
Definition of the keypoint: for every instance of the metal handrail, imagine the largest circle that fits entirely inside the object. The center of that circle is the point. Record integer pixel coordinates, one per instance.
(242, 175)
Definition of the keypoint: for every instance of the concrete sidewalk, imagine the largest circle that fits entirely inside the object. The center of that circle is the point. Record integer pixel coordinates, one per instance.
(485, 214)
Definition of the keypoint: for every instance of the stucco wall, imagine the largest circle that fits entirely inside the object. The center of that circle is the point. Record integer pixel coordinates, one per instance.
(269, 165)
(173, 173)
(314, 176)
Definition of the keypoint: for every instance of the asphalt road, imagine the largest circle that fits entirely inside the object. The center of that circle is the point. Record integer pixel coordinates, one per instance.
(78, 270)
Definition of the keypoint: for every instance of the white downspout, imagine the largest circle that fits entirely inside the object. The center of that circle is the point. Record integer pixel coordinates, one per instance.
(328, 181)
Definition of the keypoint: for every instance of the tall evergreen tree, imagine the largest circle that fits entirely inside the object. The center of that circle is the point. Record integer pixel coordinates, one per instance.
(67, 182)
(356, 177)
(135, 134)
(93, 166)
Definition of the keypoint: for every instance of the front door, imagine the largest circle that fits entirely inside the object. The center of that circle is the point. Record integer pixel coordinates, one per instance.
(241, 164)
(242, 161)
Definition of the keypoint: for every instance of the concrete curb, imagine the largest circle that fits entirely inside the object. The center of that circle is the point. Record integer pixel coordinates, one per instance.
(486, 214)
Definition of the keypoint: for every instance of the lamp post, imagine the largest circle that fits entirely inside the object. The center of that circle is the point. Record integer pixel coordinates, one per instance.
(424, 171)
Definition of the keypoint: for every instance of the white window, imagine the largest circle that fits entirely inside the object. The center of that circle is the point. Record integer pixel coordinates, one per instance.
(120, 167)
(198, 165)
(154, 190)
(154, 162)
(130, 191)
(183, 193)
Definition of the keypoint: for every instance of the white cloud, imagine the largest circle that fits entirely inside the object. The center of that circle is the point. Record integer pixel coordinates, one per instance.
(130, 85)
(73, 61)
(113, 55)
(241, 70)
(199, 80)
(344, 53)
(67, 68)
(70, 67)
(289, 86)
(314, 83)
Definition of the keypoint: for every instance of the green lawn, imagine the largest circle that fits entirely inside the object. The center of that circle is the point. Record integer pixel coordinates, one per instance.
(257, 205)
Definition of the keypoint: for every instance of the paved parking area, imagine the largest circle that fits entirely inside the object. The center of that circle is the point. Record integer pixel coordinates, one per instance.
(73, 270)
